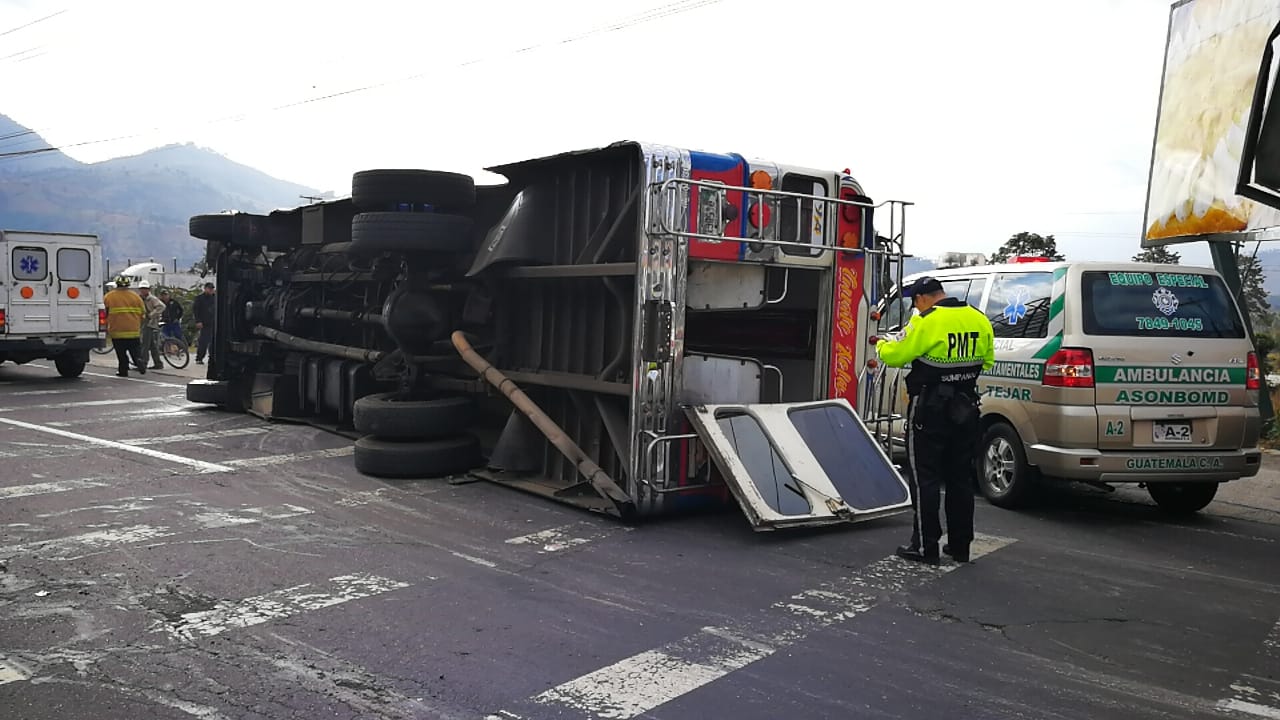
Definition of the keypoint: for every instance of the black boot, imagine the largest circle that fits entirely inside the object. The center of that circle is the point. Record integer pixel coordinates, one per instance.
(915, 554)
(960, 556)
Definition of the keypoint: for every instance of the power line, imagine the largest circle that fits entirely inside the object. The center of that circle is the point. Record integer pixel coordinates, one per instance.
(33, 22)
(22, 52)
(650, 15)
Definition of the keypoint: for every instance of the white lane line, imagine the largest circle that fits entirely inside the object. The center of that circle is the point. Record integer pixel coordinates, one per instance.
(56, 486)
(640, 683)
(1259, 695)
(113, 376)
(203, 712)
(214, 519)
(151, 412)
(80, 404)
(1249, 708)
(11, 672)
(200, 465)
(44, 451)
(473, 559)
(291, 458)
(192, 437)
(566, 536)
(74, 547)
(279, 604)
(25, 393)
(364, 497)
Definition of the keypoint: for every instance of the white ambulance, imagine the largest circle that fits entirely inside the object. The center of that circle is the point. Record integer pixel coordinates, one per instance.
(51, 298)
(1106, 373)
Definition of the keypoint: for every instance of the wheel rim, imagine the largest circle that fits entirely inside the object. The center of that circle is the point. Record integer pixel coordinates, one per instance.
(999, 465)
(175, 354)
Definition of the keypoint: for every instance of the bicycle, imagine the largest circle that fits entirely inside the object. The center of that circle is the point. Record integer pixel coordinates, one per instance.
(174, 347)
(106, 348)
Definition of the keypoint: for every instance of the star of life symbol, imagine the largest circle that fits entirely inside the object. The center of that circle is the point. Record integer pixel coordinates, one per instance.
(1017, 307)
(29, 265)
(1165, 301)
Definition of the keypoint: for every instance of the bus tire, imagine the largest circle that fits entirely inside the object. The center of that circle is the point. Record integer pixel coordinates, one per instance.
(401, 416)
(416, 458)
(384, 189)
(374, 233)
(210, 227)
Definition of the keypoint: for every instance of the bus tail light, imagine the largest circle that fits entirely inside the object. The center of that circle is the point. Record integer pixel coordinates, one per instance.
(1252, 373)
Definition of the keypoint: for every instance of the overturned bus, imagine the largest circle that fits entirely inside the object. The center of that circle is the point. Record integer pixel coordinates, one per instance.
(634, 329)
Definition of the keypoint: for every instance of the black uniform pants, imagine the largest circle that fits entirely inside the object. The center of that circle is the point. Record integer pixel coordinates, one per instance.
(942, 440)
(203, 341)
(128, 350)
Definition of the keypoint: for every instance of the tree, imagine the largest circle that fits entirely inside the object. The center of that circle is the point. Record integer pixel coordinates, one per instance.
(1025, 243)
(1251, 286)
(1158, 254)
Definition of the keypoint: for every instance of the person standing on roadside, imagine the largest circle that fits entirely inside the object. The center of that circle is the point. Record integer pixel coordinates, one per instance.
(151, 325)
(171, 320)
(204, 308)
(948, 345)
(124, 326)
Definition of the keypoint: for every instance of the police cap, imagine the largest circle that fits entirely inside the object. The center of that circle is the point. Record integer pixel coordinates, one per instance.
(922, 286)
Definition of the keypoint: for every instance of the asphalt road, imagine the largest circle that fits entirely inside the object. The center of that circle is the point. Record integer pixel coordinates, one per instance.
(165, 560)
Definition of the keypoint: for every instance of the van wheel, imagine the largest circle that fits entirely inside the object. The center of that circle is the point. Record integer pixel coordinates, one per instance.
(1183, 498)
(1004, 478)
(69, 367)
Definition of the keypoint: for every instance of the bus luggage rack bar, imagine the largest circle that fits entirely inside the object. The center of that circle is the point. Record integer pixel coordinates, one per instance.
(648, 462)
(674, 186)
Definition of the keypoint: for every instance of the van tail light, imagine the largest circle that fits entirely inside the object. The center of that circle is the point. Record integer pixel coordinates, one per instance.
(4, 325)
(1252, 373)
(102, 320)
(1070, 367)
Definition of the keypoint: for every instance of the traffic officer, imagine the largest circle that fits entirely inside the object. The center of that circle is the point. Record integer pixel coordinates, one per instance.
(948, 343)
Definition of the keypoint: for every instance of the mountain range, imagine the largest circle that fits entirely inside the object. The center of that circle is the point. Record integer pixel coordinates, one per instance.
(138, 205)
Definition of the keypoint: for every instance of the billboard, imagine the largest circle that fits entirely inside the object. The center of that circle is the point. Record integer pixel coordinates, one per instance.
(1210, 70)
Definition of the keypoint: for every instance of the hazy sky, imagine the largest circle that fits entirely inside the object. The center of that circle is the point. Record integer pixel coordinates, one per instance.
(993, 116)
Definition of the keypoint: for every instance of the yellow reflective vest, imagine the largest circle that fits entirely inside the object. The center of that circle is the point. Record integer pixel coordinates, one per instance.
(124, 314)
(951, 342)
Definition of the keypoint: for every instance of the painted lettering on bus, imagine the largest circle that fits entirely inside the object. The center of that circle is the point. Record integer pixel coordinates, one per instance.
(846, 285)
(843, 368)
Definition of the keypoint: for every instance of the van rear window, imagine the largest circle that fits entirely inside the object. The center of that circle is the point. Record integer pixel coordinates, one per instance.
(1158, 304)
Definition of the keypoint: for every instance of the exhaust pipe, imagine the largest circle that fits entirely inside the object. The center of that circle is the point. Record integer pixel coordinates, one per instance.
(587, 467)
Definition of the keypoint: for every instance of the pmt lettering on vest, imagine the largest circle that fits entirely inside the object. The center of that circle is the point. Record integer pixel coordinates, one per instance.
(961, 344)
